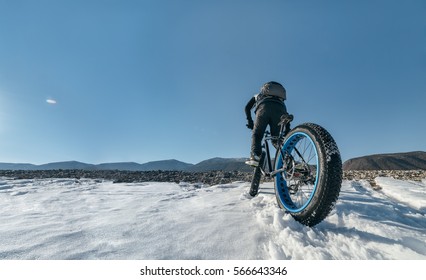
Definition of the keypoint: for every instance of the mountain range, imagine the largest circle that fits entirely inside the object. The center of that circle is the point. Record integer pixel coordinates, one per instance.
(225, 164)
(395, 161)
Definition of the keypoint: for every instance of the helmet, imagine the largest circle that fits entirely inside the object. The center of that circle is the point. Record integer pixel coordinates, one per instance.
(274, 89)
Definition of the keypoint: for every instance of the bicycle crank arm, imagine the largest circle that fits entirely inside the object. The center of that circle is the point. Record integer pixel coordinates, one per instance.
(266, 174)
(275, 172)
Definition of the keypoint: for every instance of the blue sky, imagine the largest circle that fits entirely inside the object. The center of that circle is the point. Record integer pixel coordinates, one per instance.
(160, 79)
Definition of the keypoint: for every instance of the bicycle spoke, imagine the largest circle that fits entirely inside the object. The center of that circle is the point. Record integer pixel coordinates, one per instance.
(303, 153)
(303, 181)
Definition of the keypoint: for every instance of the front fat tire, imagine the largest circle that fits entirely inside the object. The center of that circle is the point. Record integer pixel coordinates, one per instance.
(330, 176)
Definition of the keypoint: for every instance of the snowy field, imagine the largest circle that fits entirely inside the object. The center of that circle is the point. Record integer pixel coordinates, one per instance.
(87, 219)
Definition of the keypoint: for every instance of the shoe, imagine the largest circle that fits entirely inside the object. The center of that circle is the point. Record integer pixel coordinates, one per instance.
(253, 161)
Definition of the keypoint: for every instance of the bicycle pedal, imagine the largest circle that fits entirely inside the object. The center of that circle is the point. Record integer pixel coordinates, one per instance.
(252, 163)
(293, 189)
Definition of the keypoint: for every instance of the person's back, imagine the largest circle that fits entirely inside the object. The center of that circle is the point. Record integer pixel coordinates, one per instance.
(269, 107)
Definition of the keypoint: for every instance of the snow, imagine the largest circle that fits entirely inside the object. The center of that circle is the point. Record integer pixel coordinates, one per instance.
(409, 192)
(91, 219)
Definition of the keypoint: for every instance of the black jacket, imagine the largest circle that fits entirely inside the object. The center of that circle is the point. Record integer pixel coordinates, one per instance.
(259, 99)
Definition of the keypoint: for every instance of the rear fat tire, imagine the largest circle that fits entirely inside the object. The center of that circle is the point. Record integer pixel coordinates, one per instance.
(329, 179)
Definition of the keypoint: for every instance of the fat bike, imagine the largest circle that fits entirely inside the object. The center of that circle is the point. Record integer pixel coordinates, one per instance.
(307, 170)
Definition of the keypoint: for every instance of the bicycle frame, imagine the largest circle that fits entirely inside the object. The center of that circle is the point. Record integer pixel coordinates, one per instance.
(267, 140)
(279, 140)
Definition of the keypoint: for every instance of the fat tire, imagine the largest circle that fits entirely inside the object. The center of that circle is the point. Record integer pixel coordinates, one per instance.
(330, 176)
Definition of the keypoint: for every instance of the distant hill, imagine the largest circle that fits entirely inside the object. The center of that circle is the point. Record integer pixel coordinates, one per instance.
(169, 165)
(224, 164)
(48, 166)
(66, 165)
(17, 166)
(129, 166)
(395, 161)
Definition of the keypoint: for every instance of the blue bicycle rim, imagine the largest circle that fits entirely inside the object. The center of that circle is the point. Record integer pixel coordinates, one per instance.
(281, 184)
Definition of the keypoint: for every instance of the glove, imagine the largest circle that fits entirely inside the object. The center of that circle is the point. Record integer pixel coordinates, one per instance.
(250, 124)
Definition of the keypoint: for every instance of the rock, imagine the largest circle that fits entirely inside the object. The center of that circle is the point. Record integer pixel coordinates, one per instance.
(208, 178)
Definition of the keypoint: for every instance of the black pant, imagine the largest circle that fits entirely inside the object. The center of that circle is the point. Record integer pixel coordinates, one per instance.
(268, 113)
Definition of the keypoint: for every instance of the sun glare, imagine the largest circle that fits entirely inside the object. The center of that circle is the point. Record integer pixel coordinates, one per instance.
(51, 101)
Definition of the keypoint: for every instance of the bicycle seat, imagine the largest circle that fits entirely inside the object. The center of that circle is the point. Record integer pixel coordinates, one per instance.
(285, 119)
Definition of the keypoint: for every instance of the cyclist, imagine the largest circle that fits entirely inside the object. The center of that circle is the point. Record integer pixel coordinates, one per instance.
(269, 107)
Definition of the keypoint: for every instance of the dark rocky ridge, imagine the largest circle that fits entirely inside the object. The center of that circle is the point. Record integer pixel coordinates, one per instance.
(117, 176)
(208, 178)
(370, 175)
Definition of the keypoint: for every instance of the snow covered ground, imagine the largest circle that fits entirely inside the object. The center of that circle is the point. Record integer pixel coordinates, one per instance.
(87, 219)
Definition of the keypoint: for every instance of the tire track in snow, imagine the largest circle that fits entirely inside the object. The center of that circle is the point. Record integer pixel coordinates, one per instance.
(363, 225)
